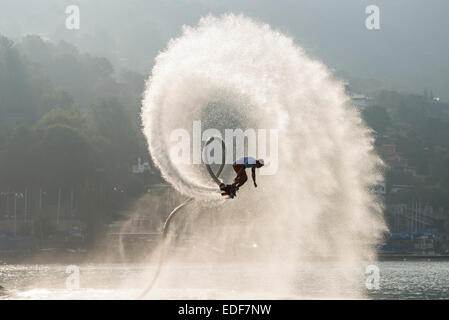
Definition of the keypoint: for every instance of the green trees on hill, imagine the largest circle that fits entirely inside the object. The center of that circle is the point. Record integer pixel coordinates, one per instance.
(68, 123)
(377, 118)
(419, 127)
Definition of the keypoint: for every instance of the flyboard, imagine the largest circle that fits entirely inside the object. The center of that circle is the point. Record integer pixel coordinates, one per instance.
(225, 190)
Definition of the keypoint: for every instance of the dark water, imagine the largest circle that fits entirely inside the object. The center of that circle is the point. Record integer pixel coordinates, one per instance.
(412, 280)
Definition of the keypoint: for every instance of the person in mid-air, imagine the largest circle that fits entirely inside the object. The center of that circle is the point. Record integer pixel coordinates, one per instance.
(240, 166)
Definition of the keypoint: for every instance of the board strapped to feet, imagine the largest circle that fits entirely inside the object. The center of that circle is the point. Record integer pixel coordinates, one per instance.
(228, 190)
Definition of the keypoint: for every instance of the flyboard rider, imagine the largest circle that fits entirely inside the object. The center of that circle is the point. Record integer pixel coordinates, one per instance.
(240, 166)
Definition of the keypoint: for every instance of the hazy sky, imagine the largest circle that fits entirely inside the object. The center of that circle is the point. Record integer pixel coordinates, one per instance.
(409, 52)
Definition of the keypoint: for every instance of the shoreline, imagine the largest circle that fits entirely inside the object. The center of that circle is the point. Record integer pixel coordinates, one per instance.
(412, 257)
(64, 256)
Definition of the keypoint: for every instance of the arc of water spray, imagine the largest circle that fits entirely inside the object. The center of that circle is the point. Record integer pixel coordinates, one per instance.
(171, 216)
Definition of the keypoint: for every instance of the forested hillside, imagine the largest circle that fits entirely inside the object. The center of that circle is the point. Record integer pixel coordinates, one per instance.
(69, 121)
(417, 127)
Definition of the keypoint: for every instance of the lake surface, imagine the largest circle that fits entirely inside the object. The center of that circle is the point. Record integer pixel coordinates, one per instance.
(397, 280)
(412, 280)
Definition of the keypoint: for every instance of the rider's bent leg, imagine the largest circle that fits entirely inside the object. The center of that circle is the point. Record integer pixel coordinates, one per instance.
(241, 178)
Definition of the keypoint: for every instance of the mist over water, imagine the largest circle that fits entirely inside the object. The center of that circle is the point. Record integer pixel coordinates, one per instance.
(233, 72)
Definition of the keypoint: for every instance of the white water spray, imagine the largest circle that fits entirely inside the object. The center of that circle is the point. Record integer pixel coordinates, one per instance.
(233, 72)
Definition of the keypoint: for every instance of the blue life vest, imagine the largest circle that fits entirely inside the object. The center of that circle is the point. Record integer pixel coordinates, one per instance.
(246, 162)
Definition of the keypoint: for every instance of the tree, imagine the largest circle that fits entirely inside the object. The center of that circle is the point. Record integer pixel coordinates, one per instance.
(65, 152)
(377, 118)
(18, 159)
(115, 135)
